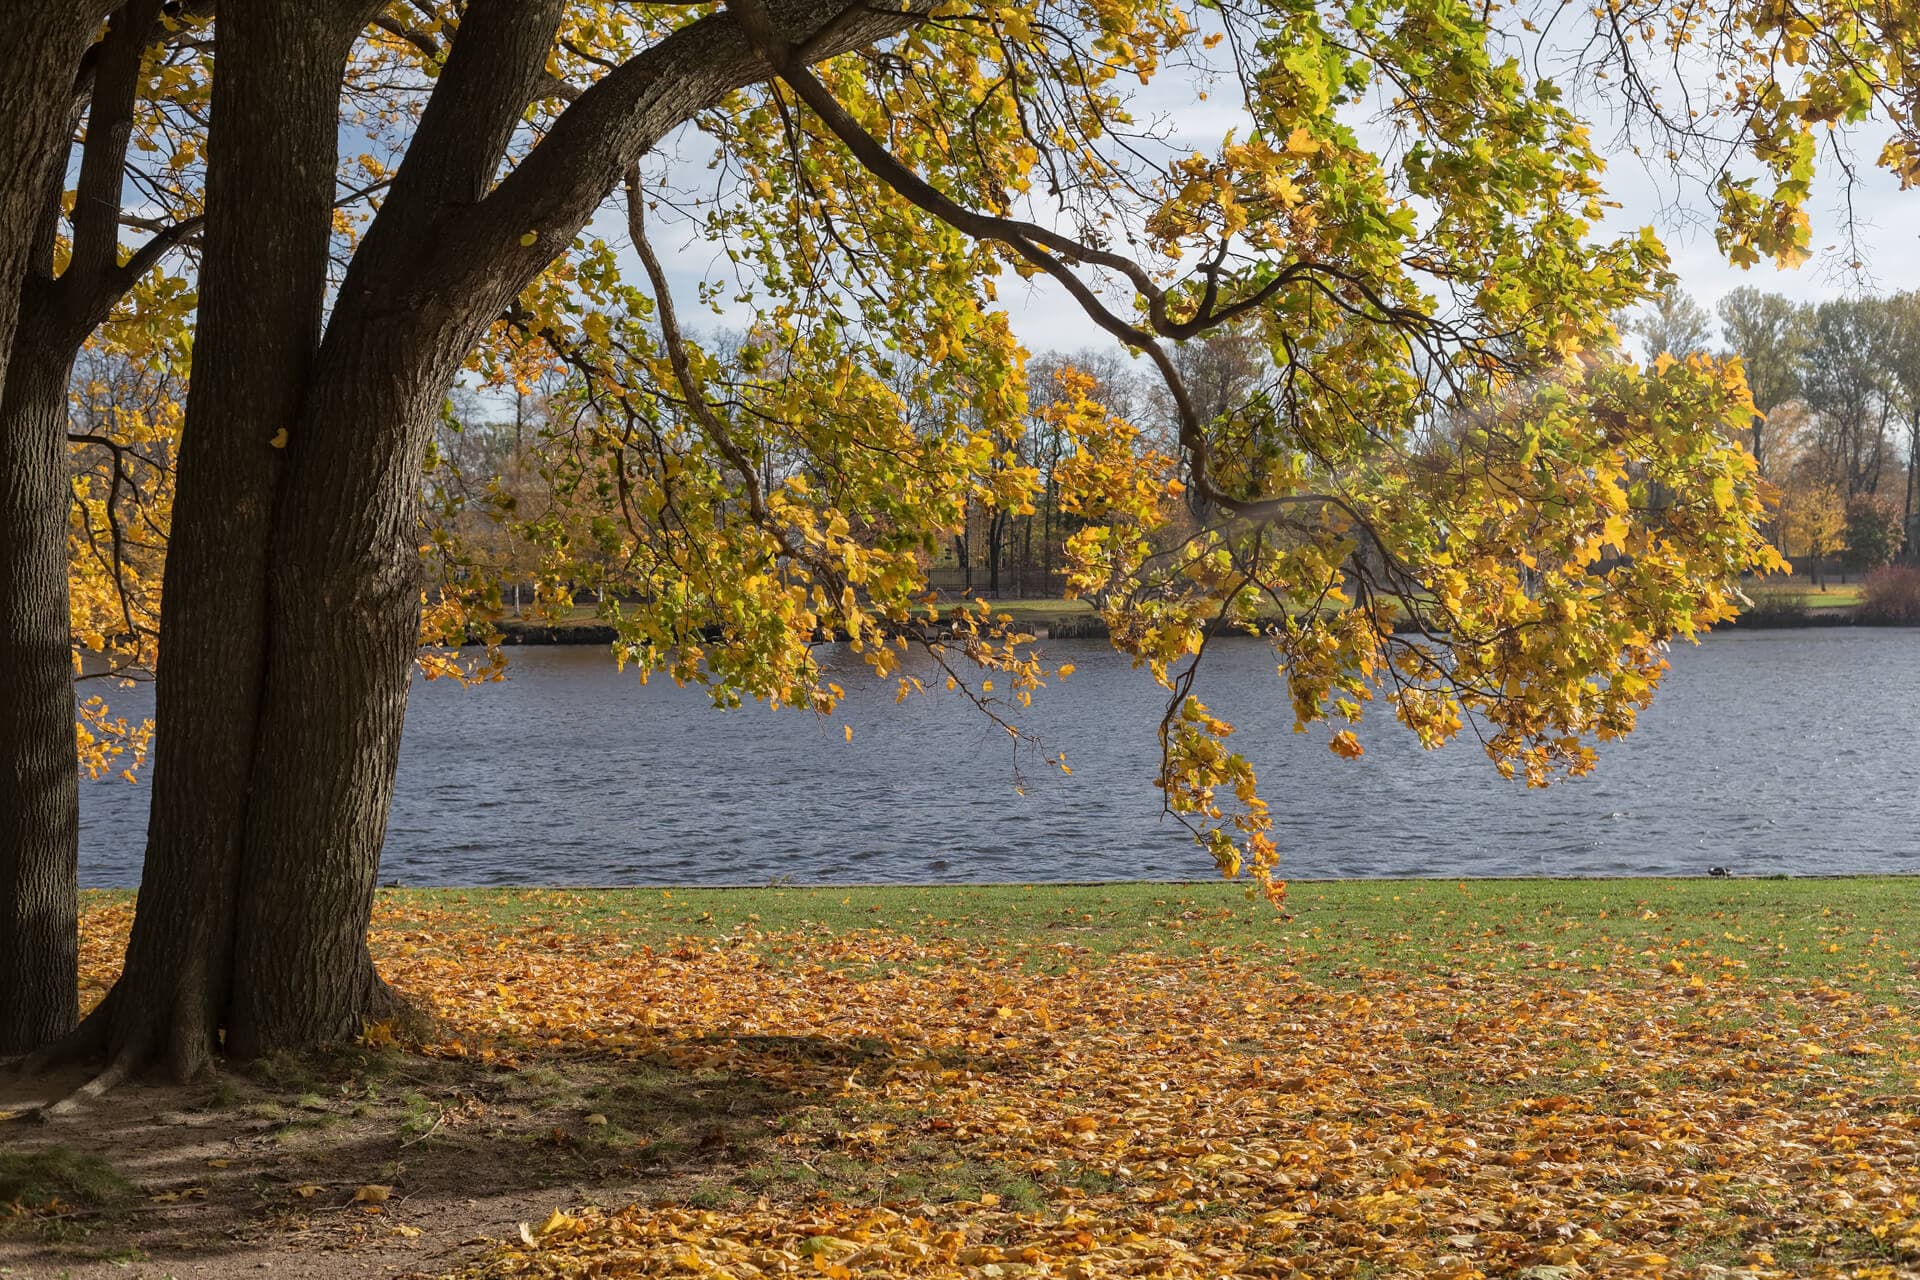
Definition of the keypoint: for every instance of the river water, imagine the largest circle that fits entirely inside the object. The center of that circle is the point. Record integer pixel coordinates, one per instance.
(1766, 752)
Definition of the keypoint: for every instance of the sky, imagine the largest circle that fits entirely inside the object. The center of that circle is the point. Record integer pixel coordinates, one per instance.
(1886, 222)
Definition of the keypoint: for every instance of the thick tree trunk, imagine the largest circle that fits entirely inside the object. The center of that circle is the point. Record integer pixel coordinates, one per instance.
(37, 69)
(346, 580)
(39, 812)
(270, 190)
(344, 618)
(39, 782)
(263, 854)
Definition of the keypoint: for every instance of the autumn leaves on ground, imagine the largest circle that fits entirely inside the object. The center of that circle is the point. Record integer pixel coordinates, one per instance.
(1541, 1079)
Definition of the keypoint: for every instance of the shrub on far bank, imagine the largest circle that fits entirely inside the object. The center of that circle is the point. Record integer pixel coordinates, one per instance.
(1892, 596)
(1874, 532)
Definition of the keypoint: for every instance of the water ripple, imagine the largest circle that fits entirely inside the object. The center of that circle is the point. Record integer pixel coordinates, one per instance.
(1767, 752)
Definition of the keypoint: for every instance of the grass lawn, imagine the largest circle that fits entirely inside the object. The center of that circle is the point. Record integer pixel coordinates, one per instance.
(1547, 1079)
(1802, 591)
(1796, 592)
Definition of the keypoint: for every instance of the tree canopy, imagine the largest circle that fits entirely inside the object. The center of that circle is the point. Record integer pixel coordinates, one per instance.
(1390, 426)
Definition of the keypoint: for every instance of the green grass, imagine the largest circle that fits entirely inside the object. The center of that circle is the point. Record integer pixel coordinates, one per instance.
(1039, 610)
(1864, 928)
(1802, 927)
(56, 1179)
(1801, 591)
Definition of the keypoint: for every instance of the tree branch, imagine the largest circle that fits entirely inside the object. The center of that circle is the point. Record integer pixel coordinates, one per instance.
(511, 235)
(498, 55)
(148, 255)
(103, 158)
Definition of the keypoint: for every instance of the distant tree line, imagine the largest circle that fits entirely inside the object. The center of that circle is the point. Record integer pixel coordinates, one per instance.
(1836, 389)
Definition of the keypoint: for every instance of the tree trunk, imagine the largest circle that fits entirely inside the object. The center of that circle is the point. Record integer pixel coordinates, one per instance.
(270, 187)
(1906, 510)
(263, 854)
(346, 581)
(43, 48)
(1026, 554)
(1046, 542)
(39, 795)
(996, 529)
(39, 782)
(344, 615)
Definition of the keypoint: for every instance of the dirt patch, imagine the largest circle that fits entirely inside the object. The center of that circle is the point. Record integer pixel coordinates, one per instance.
(372, 1163)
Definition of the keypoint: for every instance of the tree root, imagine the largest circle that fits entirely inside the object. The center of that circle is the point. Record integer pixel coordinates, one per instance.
(108, 1080)
(411, 1019)
(85, 1043)
(181, 1040)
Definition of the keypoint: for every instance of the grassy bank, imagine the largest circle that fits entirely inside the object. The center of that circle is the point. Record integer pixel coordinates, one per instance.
(1330, 929)
(1776, 603)
(1548, 1079)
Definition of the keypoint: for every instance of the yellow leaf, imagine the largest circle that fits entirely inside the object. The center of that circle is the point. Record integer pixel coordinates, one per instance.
(528, 239)
(372, 1193)
(279, 440)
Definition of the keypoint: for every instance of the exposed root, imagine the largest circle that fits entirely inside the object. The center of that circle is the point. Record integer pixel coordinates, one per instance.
(410, 1019)
(102, 1084)
(85, 1043)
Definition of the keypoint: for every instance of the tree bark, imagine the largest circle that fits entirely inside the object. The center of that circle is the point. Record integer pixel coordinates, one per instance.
(43, 323)
(39, 783)
(996, 528)
(43, 50)
(270, 189)
(445, 256)
(290, 615)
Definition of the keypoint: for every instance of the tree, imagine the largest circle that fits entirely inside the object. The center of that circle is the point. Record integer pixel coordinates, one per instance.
(1770, 334)
(1813, 522)
(882, 173)
(1054, 381)
(38, 946)
(1873, 532)
(62, 289)
(1673, 324)
(1902, 354)
(1848, 387)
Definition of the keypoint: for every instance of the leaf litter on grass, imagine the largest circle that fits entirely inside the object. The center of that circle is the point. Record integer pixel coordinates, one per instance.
(1550, 1107)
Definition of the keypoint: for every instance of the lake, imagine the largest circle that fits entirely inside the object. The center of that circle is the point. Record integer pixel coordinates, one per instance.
(1766, 752)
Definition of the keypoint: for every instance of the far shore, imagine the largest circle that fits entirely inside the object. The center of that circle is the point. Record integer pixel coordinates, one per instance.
(1075, 620)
